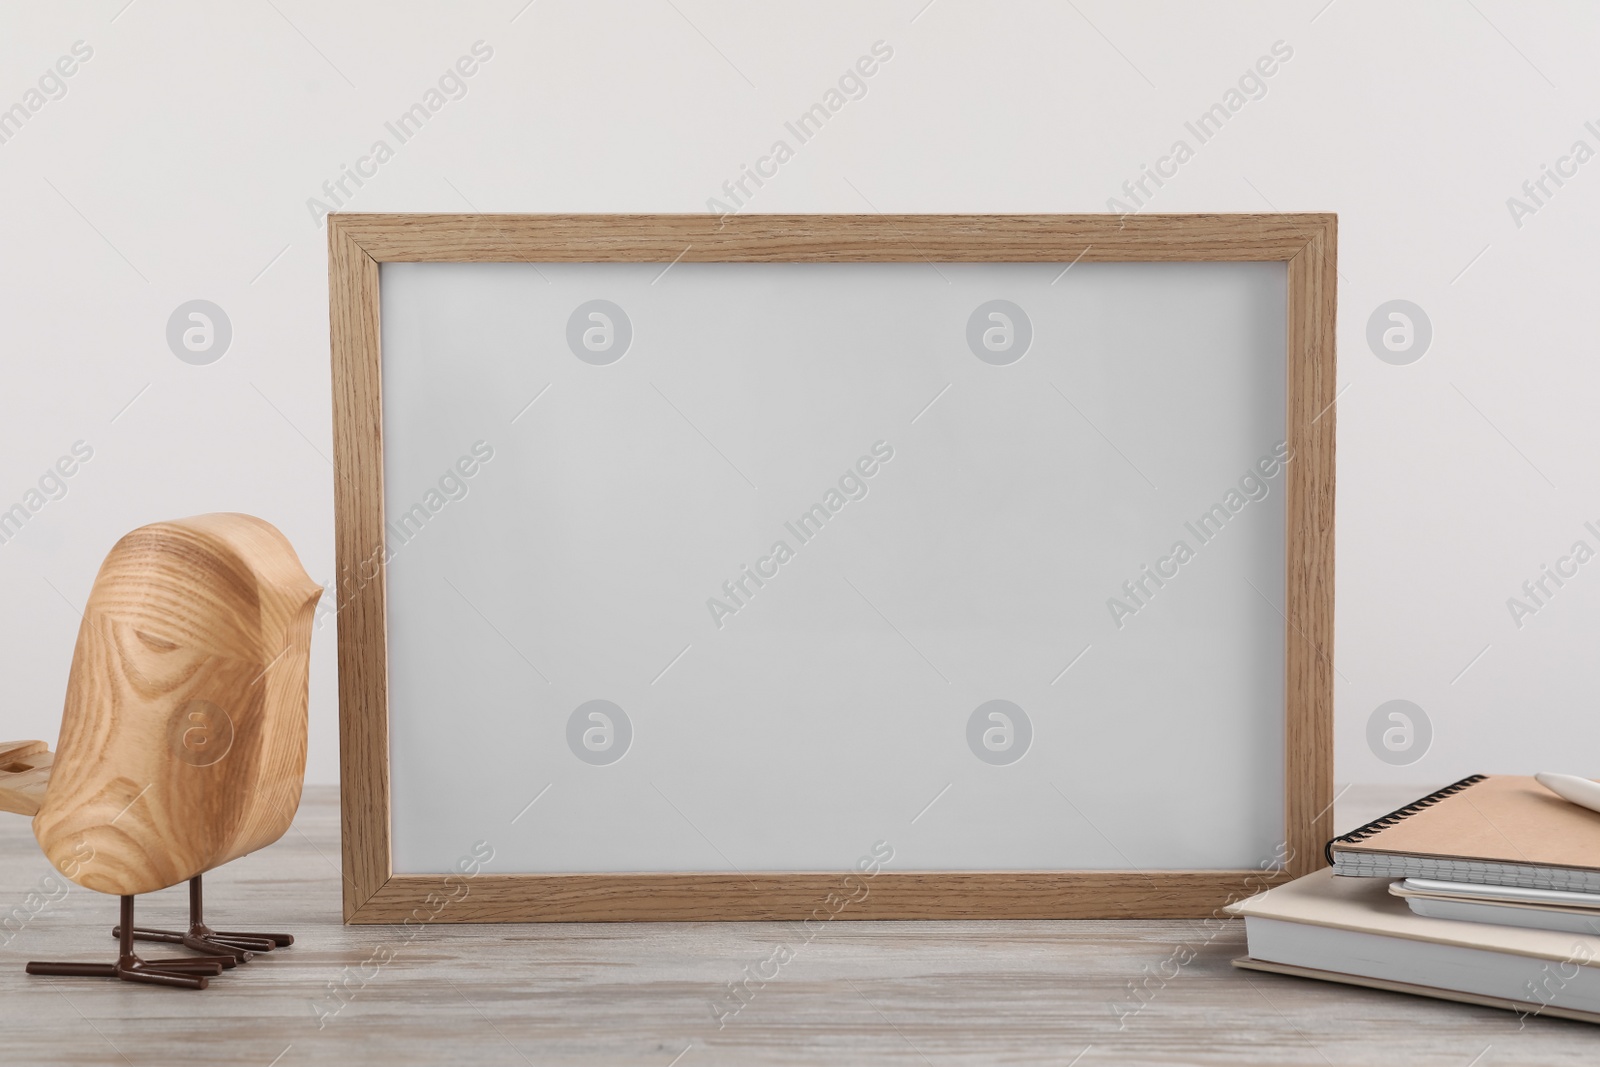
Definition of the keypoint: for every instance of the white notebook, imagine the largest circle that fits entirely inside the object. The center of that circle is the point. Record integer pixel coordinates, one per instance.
(1536, 909)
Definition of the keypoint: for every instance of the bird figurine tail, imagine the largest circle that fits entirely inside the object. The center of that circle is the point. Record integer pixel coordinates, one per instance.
(24, 773)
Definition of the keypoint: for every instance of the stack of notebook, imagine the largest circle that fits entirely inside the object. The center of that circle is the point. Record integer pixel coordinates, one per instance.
(1487, 891)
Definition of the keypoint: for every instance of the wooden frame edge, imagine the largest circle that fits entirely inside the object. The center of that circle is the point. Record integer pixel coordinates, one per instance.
(1309, 577)
(357, 244)
(435, 238)
(792, 896)
(355, 335)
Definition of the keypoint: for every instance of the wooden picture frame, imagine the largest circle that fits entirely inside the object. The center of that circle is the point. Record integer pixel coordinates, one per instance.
(357, 244)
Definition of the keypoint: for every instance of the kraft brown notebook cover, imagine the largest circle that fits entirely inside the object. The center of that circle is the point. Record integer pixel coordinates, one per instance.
(1496, 830)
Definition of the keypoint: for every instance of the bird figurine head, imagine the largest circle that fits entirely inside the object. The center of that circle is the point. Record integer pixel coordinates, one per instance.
(183, 738)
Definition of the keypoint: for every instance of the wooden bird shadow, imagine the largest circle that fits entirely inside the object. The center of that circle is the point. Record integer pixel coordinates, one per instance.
(183, 738)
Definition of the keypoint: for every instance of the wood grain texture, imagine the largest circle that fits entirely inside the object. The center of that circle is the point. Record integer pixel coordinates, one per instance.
(826, 238)
(24, 774)
(358, 243)
(183, 739)
(818, 896)
(353, 320)
(1308, 582)
(905, 994)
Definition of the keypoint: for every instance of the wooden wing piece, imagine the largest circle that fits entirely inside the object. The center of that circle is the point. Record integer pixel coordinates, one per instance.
(183, 739)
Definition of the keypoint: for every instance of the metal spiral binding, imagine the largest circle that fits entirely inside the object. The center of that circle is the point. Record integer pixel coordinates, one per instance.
(1364, 832)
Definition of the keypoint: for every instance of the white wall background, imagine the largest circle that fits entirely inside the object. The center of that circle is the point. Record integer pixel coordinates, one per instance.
(179, 162)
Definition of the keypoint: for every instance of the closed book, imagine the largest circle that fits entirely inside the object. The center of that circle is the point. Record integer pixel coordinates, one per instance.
(1353, 930)
(1502, 829)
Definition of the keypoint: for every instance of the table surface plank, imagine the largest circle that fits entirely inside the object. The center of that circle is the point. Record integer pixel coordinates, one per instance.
(897, 993)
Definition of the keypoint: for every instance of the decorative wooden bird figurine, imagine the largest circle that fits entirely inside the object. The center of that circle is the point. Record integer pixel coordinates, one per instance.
(183, 739)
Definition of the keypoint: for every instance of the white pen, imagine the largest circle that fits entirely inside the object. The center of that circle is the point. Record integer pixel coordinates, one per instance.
(1580, 791)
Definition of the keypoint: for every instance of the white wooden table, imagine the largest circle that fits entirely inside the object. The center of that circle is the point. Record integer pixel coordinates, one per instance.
(905, 993)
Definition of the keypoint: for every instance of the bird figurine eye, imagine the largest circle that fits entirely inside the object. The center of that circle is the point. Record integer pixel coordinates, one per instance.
(151, 641)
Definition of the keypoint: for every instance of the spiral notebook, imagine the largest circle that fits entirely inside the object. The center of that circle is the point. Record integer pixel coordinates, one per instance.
(1491, 829)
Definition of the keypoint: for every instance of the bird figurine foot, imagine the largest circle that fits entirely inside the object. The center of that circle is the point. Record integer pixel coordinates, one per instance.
(191, 972)
(241, 945)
